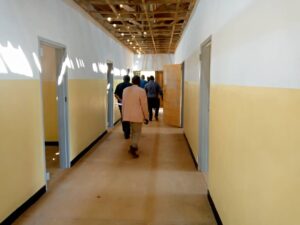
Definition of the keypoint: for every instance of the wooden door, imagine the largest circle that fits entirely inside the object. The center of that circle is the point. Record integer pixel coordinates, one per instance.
(159, 78)
(172, 94)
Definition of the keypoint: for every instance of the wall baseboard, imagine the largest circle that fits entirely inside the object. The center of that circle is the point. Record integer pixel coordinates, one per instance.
(84, 151)
(19, 211)
(51, 143)
(191, 151)
(115, 123)
(214, 209)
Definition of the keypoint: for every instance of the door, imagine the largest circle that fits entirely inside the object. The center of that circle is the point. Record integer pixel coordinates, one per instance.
(205, 59)
(62, 92)
(110, 95)
(58, 68)
(172, 90)
(159, 78)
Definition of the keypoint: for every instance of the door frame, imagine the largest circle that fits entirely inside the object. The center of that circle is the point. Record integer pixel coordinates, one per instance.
(62, 93)
(110, 95)
(203, 156)
(182, 93)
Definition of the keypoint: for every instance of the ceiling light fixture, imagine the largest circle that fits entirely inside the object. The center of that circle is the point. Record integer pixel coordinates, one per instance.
(121, 5)
(109, 19)
(114, 25)
(128, 40)
(145, 33)
(130, 43)
(122, 34)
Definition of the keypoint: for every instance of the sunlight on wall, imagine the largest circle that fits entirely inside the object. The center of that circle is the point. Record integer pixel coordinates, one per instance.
(66, 64)
(123, 72)
(15, 60)
(95, 67)
(103, 67)
(116, 72)
(37, 62)
(3, 69)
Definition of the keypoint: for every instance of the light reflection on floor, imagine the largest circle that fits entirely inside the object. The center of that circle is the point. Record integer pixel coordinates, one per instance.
(52, 161)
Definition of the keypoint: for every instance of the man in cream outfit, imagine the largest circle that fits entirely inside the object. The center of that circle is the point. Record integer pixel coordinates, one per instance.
(135, 110)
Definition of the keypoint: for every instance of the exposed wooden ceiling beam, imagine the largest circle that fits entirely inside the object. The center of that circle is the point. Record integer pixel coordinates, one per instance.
(175, 21)
(116, 13)
(155, 26)
(150, 28)
(118, 2)
(143, 13)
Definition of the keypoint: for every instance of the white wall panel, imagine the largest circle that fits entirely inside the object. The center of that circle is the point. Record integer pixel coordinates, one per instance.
(62, 21)
(152, 62)
(254, 42)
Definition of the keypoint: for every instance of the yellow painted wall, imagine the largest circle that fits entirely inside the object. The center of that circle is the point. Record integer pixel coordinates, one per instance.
(254, 155)
(117, 114)
(191, 115)
(21, 147)
(87, 113)
(49, 73)
(50, 111)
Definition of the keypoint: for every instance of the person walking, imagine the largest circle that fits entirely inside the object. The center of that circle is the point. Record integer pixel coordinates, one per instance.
(153, 91)
(143, 81)
(135, 111)
(119, 95)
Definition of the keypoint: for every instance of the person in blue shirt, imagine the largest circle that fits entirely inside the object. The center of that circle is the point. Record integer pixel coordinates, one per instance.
(153, 91)
(143, 82)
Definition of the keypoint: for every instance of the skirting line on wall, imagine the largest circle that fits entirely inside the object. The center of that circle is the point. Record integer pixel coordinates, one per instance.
(214, 209)
(18, 212)
(51, 143)
(115, 123)
(81, 154)
(191, 151)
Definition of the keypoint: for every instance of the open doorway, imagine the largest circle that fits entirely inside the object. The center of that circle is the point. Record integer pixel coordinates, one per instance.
(110, 95)
(55, 114)
(159, 78)
(205, 59)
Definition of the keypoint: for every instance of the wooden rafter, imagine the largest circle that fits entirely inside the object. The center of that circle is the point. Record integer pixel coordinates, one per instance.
(153, 26)
(150, 28)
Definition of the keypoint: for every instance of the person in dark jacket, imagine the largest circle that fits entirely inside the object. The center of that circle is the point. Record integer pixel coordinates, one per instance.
(119, 95)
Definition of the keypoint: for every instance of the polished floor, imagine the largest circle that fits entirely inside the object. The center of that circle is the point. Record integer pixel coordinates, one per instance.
(109, 187)
(52, 162)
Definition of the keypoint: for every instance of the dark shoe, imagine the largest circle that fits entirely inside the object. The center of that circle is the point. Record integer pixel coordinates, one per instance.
(127, 136)
(133, 151)
(156, 118)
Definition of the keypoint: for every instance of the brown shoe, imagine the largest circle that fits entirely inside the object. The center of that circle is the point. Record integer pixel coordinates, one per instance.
(133, 151)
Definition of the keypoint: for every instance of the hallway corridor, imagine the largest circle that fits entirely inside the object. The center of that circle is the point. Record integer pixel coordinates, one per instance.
(108, 187)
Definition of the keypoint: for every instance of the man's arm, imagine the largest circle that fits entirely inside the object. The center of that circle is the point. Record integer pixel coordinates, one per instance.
(116, 93)
(118, 98)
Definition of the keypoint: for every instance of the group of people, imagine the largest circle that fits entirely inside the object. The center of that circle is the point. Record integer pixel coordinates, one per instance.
(136, 102)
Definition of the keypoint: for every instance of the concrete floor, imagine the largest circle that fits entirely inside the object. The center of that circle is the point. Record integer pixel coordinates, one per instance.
(108, 187)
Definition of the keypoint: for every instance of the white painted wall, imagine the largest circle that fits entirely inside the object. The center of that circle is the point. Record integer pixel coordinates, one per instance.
(62, 21)
(192, 67)
(254, 42)
(152, 62)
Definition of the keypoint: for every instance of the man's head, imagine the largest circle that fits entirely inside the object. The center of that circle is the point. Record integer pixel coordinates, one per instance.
(136, 80)
(152, 78)
(143, 77)
(126, 79)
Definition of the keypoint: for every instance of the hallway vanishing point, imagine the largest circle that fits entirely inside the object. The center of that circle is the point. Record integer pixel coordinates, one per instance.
(108, 187)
